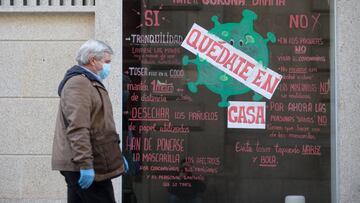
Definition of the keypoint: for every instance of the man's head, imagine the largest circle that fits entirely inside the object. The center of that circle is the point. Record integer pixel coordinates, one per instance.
(94, 54)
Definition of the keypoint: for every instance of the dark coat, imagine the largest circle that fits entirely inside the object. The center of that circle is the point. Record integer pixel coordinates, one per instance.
(85, 134)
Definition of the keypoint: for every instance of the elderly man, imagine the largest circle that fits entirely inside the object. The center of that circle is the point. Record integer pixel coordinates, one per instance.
(86, 146)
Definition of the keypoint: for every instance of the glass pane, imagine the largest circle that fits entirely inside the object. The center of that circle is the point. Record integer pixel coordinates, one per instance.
(226, 100)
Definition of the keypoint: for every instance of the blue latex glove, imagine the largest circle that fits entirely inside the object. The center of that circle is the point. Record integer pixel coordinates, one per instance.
(86, 178)
(126, 165)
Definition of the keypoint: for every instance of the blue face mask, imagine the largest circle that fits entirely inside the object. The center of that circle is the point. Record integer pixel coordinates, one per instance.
(105, 71)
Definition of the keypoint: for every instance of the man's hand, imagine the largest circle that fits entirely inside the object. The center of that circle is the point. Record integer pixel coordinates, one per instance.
(86, 178)
(126, 165)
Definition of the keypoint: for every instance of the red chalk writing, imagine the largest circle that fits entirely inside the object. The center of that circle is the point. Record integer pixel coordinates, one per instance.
(150, 114)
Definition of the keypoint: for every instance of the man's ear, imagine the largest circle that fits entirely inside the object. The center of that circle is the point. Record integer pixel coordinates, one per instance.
(92, 60)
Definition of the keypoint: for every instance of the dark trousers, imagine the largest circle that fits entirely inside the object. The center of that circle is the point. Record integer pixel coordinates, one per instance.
(98, 192)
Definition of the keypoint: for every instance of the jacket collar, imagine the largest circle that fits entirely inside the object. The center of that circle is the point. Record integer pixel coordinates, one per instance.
(77, 70)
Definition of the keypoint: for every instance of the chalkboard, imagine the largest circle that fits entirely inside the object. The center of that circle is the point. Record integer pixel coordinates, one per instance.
(226, 100)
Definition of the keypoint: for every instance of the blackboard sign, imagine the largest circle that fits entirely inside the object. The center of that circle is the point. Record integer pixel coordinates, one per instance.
(226, 100)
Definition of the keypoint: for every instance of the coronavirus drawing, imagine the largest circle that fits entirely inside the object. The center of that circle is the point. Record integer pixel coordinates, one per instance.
(243, 37)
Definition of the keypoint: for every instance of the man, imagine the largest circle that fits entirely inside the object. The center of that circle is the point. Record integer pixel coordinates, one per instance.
(86, 147)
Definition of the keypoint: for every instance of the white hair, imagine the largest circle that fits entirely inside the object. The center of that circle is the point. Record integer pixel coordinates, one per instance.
(92, 48)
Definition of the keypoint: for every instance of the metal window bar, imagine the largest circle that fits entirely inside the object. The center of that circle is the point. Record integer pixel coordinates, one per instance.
(67, 3)
(55, 2)
(31, 2)
(18, 3)
(6, 2)
(78, 2)
(89, 2)
(41, 3)
(44, 2)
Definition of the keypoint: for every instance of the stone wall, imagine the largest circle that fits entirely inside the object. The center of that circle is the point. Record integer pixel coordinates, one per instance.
(38, 44)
